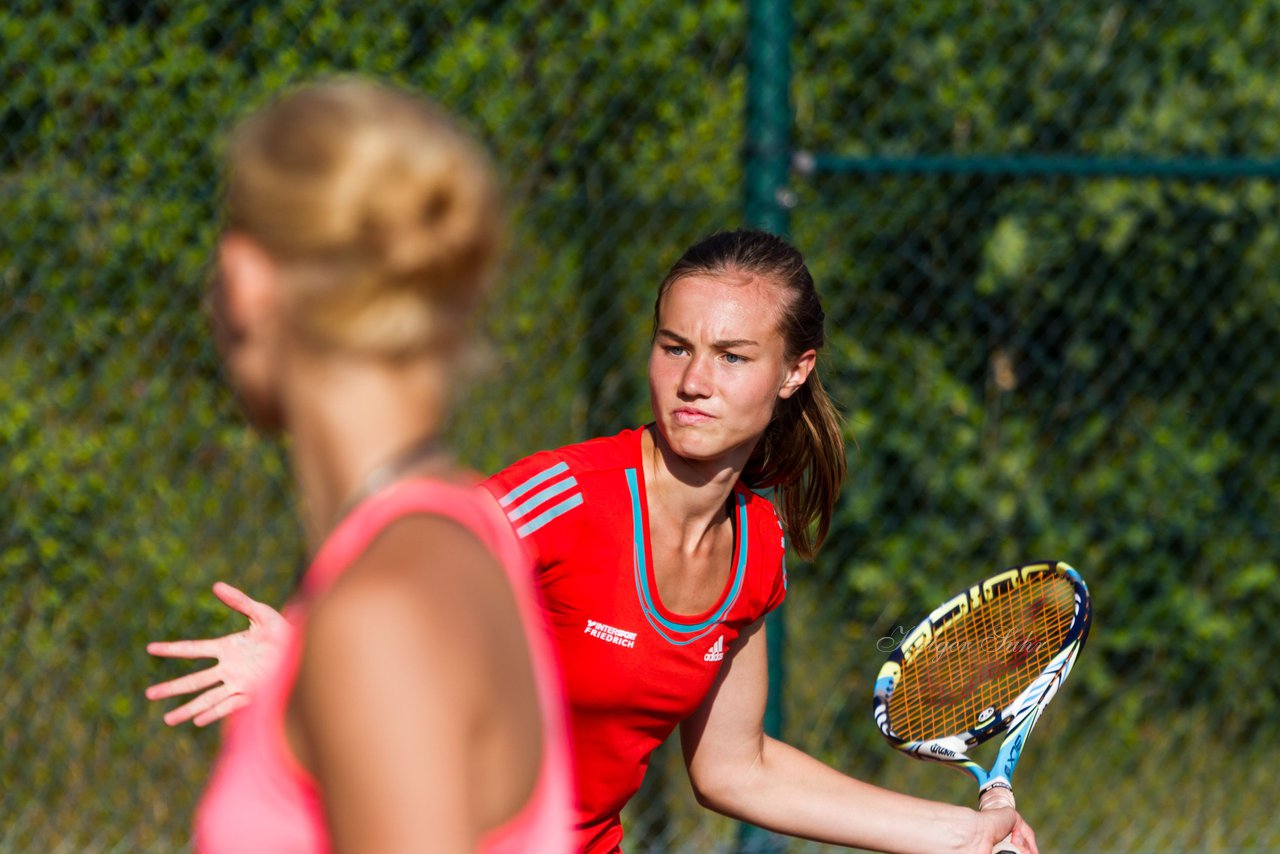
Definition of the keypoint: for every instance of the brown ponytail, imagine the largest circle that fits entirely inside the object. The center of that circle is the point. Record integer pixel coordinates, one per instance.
(801, 455)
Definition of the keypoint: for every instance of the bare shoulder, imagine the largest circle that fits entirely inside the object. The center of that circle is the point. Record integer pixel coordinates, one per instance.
(414, 676)
(425, 579)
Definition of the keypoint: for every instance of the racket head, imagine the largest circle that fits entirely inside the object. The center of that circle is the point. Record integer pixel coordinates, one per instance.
(985, 662)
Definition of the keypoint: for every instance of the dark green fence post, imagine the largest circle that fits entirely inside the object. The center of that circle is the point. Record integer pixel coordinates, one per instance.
(767, 205)
(768, 143)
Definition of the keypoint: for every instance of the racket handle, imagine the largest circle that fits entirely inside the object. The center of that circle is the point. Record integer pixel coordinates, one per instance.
(998, 797)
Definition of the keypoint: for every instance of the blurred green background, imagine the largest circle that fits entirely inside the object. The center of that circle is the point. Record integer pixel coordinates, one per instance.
(1047, 238)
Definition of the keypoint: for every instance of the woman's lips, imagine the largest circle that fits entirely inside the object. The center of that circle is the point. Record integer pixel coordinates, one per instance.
(688, 415)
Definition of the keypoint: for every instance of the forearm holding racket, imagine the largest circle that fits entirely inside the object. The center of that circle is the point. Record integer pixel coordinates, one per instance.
(739, 771)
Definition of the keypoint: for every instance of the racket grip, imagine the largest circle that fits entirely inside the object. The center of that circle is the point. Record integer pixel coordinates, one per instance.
(998, 797)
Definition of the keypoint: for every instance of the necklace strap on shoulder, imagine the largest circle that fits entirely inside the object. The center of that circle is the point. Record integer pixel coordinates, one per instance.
(391, 471)
(387, 473)
(379, 479)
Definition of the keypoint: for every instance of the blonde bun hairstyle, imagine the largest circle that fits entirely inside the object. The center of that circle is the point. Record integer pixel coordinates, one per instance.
(381, 212)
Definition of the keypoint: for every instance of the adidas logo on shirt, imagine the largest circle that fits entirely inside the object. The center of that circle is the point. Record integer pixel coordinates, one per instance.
(716, 653)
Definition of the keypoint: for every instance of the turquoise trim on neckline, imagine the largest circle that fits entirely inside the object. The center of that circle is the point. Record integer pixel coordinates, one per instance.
(640, 565)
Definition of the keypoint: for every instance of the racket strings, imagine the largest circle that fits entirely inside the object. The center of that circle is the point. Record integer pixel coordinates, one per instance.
(980, 663)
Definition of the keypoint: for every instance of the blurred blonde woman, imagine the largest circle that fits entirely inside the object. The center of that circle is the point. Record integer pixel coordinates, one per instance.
(416, 705)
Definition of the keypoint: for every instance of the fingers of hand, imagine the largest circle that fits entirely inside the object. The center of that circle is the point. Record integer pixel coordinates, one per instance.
(235, 599)
(188, 684)
(198, 706)
(185, 648)
(221, 710)
(998, 803)
(1008, 845)
(1021, 839)
(1025, 837)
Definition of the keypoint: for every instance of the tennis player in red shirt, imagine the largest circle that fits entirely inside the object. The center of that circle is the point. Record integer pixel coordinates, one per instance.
(657, 560)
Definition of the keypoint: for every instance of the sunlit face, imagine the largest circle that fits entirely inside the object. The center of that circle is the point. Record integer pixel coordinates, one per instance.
(718, 366)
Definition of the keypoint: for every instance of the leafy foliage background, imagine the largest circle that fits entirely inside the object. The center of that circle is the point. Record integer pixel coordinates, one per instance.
(1055, 363)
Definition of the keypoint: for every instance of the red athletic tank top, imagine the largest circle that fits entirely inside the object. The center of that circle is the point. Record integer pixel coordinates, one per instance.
(632, 668)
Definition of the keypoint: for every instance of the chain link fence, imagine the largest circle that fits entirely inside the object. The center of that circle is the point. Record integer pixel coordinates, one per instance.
(1047, 237)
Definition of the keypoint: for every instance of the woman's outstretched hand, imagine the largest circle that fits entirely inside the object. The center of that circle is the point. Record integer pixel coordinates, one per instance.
(244, 659)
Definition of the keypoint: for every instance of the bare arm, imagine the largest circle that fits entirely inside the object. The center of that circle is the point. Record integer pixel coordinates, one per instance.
(392, 710)
(737, 770)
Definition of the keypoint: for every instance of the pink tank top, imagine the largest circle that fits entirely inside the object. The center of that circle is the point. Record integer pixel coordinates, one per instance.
(260, 799)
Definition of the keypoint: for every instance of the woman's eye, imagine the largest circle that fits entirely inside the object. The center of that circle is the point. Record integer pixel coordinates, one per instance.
(734, 359)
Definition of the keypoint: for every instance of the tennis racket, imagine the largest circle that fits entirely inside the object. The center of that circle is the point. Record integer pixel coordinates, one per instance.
(986, 662)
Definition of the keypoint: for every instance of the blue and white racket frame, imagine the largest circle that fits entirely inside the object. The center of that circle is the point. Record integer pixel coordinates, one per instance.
(1015, 720)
